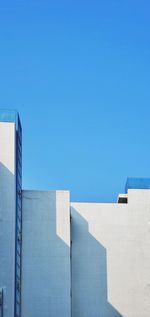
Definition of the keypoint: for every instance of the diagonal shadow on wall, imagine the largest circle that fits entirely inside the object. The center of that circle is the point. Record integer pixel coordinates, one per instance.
(45, 287)
(89, 273)
(46, 260)
(7, 240)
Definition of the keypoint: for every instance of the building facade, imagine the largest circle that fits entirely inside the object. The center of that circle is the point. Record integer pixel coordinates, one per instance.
(67, 259)
(10, 213)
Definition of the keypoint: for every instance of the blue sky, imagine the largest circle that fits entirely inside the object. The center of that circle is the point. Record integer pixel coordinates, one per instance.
(78, 72)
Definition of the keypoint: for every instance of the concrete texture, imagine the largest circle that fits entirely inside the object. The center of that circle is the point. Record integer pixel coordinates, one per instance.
(46, 254)
(7, 216)
(103, 272)
(111, 258)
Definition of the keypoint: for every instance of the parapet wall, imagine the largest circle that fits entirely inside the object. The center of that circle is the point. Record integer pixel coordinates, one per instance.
(105, 271)
(111, 258)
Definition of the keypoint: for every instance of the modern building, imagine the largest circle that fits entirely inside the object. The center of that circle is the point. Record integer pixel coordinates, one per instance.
(68, 259)
(10, 213)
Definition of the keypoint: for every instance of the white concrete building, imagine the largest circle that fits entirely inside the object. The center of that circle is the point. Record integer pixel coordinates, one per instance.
(10, 214)
(74, 259)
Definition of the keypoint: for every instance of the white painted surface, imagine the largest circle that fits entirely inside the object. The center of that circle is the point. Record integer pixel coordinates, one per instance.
(7, 215)
(46, 254)
(110, 250)
(111, 258)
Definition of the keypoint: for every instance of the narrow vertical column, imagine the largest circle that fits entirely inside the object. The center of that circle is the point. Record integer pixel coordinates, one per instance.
(63, 232)
(1, 302)
(10, 212)
(7, 215)
(18, 250)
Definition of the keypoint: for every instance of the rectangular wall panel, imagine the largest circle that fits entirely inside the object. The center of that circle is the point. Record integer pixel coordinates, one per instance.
(111, 258)
(7, 215)
(46, 254)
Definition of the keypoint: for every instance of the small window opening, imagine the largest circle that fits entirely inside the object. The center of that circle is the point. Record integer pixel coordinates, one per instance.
(123, 199)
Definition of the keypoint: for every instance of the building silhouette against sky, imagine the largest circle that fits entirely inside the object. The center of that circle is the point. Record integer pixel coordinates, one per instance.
(68, 259)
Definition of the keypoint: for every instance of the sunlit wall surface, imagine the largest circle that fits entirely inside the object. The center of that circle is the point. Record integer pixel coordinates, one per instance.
(46, 286)
(11, 174)
(77, 259)
(110, 257)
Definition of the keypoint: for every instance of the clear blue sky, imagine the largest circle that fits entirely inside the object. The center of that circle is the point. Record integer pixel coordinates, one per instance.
(78, 72)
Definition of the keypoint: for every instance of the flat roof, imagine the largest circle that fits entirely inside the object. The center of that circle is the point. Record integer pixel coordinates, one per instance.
(137, 183)
(10, 116)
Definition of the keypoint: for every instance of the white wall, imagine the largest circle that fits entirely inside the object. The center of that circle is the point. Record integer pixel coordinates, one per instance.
(46, 254)
(111, 258)
(7, 215)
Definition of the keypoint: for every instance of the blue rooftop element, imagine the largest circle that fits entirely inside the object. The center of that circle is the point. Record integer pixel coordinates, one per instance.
(10, 116)
(137, 183)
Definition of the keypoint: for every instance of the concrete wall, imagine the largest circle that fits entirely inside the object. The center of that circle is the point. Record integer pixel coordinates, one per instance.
(7, 216)
(110, 266)
(111, 258)
(46, 254)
